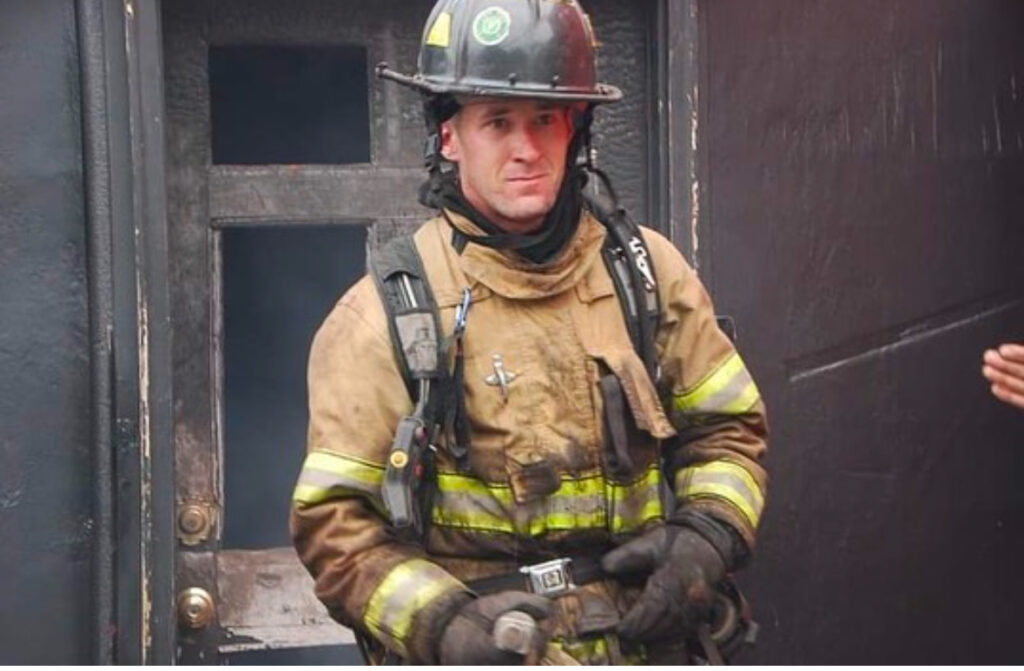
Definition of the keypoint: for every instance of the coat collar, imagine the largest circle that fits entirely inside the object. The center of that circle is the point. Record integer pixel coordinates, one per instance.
(511, 276)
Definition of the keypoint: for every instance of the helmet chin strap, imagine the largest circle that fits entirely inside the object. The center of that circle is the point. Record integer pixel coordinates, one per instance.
(588, 158)
(436, 110)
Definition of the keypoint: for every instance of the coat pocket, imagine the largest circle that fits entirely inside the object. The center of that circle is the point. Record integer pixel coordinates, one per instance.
(639, 392)
(531, 474)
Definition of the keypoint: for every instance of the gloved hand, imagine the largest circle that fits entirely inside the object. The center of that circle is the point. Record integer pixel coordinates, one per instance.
(468, 639)
(684, 568)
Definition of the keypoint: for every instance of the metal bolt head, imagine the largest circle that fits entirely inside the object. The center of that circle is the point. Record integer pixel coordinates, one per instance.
(193, 519)
(195, 608)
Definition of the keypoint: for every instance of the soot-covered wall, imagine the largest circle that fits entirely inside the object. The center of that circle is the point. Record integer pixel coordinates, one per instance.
(45, 462)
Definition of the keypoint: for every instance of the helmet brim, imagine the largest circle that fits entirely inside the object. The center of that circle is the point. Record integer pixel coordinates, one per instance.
(603, 93)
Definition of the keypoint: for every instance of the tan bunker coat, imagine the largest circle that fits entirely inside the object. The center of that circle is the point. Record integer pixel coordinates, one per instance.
(537, 485)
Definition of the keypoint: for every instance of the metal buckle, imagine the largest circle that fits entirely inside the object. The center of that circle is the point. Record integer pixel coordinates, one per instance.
(550, 578)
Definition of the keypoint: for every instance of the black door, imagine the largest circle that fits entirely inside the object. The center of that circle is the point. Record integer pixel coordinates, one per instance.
(864, 222)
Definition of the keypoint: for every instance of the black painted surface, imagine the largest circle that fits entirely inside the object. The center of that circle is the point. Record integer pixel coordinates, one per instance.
(45, 463)
(866, 186)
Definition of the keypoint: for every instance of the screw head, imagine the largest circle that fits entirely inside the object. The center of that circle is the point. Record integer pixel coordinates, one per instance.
(195, 608)
(193, 519)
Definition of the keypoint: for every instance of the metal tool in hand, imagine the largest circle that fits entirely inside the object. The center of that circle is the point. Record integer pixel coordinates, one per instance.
(517, 632)
(514, 632)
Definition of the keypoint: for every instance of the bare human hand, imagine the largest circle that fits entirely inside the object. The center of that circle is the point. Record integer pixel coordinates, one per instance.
(1004, 368)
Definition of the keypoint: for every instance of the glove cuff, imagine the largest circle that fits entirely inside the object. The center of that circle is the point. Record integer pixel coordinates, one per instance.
(437, 620)
(726, 540)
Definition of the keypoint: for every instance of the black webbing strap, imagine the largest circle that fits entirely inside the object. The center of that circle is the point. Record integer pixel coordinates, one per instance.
(631, 268)
(585, 570)
(412, 313)
(420, 349)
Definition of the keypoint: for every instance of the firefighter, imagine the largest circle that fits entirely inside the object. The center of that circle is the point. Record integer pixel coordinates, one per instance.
(603, 498)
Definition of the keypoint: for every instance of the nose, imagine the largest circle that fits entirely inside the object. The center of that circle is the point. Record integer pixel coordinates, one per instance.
(525, 145)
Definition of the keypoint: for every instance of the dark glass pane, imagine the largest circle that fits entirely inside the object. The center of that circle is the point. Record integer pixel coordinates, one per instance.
(279, 285)
(272, 104)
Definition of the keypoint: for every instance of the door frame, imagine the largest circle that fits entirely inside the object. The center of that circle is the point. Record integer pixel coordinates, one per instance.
(121, 75)
(150, 546)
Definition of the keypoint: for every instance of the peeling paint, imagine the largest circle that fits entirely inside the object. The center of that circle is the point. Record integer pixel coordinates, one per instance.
(145, 471)
(999, 125)
(10, 500)
(694, 179)
(936, 71)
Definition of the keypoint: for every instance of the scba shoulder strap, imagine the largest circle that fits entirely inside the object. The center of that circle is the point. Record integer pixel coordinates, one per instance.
(631, 268)
(413, 319)
(414, 325)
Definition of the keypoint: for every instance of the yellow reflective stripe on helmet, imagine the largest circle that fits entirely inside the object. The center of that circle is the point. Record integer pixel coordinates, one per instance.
(440, 33)
(327, 476)
(723, 480)
(591, 502)
(729, 390)
(407, 589)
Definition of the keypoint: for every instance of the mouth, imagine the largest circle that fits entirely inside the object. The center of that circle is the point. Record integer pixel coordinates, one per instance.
(527, 179)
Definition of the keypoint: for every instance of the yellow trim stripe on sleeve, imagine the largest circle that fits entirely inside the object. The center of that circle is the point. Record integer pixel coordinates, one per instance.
(327, 476)
(729, 390)
(407, 589)
(726, 481)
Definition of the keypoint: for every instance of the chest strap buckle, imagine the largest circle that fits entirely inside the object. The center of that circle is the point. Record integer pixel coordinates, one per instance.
(551, 578)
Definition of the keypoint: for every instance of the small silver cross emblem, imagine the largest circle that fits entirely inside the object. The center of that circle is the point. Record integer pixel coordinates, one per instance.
(501, 378)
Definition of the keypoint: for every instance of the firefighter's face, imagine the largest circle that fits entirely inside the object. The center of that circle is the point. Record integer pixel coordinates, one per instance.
(511, 156)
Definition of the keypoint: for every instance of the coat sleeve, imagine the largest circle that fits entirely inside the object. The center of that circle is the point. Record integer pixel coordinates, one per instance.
(712, 400)
(368, 578)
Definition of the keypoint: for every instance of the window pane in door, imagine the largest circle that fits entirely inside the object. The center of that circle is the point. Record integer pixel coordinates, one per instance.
(289, 104)
(279, 283)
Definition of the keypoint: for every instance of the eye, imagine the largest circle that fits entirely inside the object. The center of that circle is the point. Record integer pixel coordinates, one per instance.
(498, 123)
(546, 119)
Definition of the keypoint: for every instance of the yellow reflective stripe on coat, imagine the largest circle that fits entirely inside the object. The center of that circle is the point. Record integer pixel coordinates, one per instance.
(636, 504)
(407, 589)
(591, 502)
(327, 476)
(722, 480)
(729, 390)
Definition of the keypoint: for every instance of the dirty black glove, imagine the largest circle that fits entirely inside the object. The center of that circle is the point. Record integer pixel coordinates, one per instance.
(468, 639)
(684, 568)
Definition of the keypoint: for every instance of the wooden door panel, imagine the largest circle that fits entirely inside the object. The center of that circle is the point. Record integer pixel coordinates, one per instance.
(267, 602)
